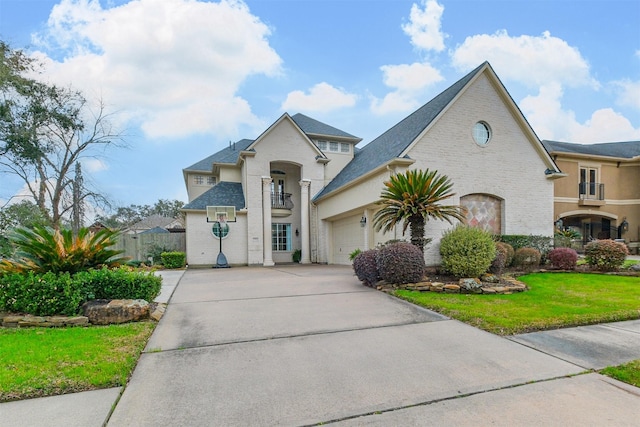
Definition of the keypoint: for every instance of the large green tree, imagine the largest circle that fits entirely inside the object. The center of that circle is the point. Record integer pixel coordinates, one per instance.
(45, 130)
(125, 216)
(412, 198)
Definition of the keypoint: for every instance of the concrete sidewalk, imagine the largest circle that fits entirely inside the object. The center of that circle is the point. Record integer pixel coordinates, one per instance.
(302, 345)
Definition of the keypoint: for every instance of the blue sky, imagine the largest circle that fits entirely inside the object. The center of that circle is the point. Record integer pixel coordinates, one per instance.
(185, 77)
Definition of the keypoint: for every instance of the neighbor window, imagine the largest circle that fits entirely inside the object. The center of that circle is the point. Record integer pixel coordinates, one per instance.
(198, 180)
(281, 237)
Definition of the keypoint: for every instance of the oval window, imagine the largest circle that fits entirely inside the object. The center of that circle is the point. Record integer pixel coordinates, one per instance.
(481, 133)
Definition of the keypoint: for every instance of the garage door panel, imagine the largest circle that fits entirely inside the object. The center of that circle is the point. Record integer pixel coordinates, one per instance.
(347, 236)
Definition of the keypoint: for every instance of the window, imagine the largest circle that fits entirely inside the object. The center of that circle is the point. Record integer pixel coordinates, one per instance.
(198, 180)
(281, 237)
(344, 147)
(211, 180)
(589, 186)
(481, 133)
(322, 145)
(333, 146)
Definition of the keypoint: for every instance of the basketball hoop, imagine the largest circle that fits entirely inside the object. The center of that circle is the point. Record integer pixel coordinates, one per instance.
(221, 216)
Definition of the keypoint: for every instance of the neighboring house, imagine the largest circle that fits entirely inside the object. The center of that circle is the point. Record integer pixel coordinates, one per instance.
(303, 184)
(156, 222)
(600, 198)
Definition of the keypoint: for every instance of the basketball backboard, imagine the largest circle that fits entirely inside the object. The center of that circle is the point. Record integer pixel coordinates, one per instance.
(221, 214)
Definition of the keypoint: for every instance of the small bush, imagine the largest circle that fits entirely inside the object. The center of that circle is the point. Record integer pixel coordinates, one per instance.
(354, 254)
(44, 294)
(400, 263)
(509, 252)
(173, 259)
(500, 261)
(542, 243)
(605, 255)
(120, 283)
(467, 251)
(526, 258)
(563, 258)
(365, 267)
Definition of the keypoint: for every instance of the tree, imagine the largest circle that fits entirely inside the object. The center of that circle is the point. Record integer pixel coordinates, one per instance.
(125, 216)
(45, 130)
(24, 214)
(412, 198)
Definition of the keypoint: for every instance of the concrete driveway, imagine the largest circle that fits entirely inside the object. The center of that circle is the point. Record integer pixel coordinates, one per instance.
(304, 345)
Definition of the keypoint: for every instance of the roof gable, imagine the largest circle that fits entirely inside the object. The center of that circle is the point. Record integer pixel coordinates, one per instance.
(222, 194)
(619, 150)
(313, 127)
(227, 155)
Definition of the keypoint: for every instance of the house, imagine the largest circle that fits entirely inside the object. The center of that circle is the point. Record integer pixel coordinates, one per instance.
(600, 198)
(303, 184)
(156, 223)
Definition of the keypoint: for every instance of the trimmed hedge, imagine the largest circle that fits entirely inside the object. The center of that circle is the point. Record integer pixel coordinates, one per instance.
(365, 267)
(400, 263)
(467, 251)
(542, 243)
(605, 255)
(173, 259)
(48, 294)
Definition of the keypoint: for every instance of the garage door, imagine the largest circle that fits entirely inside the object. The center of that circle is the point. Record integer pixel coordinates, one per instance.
(347, 236)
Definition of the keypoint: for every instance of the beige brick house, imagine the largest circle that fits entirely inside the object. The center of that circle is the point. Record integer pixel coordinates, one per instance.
(303, 184)
(600, 198)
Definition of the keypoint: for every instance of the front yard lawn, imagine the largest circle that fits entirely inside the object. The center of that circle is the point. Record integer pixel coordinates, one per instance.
(554, 300)
(37, 362)
(629, 373)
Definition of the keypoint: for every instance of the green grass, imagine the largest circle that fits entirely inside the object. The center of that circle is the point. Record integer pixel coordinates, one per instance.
(36, 362)
(629, 373)
(554, 300)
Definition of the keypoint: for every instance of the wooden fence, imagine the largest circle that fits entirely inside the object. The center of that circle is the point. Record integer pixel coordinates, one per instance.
(142, 246)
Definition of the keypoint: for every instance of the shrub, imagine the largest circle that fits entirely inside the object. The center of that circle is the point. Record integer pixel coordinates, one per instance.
(500, 261)
(605, 255)
(509, 252)
(542, 243)
(400, 263)
(563, 258)
(120, 283)
(174, 259)
(43, 249)
(526, 258)
(467, 251)
(365, 267)
(41, 294)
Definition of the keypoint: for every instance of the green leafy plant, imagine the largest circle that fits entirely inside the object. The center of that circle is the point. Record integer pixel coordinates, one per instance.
(119, 283)
(43, 249)
(173, 259)
(400, 263)
(605, 255)
(354, 254)
(411, 199)
(296, 256)
(467, 251)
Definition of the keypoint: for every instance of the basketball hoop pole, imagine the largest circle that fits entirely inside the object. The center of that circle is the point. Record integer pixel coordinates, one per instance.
(221, 262)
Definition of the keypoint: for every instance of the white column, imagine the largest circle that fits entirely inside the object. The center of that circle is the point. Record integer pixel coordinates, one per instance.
(304, 217)
(266, 222)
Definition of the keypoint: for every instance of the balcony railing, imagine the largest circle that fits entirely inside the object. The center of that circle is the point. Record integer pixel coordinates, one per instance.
(281, 201)
(591, 191)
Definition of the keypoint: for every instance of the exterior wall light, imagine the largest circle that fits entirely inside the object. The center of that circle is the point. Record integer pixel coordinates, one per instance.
(363, 221)
(624, 224)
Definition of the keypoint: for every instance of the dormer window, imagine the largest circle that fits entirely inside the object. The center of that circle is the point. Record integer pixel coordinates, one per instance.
(334, 147)
(322, 145)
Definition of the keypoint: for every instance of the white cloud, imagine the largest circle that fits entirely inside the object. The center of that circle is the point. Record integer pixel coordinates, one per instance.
(322, 97)
(628, 93)
(408, 82)
(424, 26)
(532, 61)
(92, 165)
(175, 65)
(545, 114)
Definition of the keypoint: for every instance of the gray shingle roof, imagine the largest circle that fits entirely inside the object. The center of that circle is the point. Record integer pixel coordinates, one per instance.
(226, 155)
(624, 150)
(394, 141)
(312, 126)
(222, 194)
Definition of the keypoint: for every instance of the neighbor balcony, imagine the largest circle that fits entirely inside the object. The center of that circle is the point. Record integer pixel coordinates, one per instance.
(591, 194)
(281, 204)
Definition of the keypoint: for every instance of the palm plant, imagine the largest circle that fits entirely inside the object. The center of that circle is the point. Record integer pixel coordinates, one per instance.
(43, 249)
(412, 198)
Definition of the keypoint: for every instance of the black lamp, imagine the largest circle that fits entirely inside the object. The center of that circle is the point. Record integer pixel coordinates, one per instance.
(624, 224)
(297, 232)
(363, 221)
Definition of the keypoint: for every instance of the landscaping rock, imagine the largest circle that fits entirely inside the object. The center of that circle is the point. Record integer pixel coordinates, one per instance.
(105, 312)
(635, 267)
(469, 284)
(490, 278)
(158, 312)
